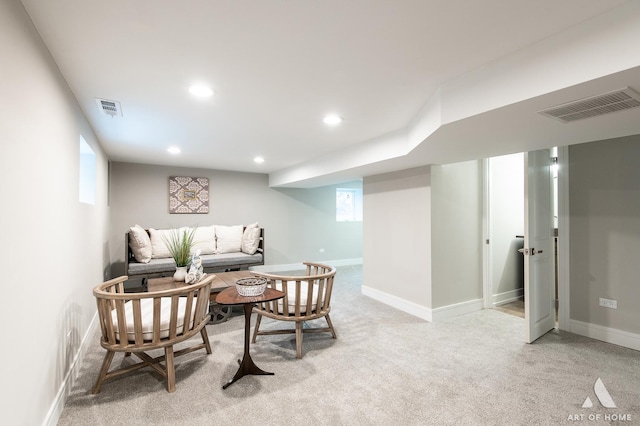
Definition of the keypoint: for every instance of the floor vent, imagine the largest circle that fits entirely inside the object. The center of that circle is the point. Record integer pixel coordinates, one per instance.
(111, 108)
(593, 106)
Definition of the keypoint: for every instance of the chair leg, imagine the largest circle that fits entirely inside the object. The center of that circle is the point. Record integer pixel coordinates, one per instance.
(299, 339)
(255, 330)
(333, 332)
(205, 340)
(171, 372)
(103, 371)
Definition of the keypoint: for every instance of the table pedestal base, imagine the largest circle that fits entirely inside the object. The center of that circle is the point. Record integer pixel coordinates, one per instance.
(247, 366)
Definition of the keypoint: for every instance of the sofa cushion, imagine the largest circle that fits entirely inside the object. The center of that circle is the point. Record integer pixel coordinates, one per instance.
(140, 244)
(204, 238)
(159, 249)
(250, 239)
(146, 309)
(228, 239)
(217, 261)
(221, 260)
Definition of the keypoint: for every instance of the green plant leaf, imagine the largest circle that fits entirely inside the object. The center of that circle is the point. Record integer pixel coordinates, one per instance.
(179, 242)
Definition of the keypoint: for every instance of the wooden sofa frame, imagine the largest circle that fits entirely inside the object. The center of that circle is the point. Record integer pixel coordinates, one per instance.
(111, 296)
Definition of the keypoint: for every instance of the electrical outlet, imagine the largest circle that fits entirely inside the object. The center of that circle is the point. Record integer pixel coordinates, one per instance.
(321, 250)
(609, 303)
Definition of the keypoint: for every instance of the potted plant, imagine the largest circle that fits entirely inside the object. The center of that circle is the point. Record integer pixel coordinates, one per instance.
(179, 243)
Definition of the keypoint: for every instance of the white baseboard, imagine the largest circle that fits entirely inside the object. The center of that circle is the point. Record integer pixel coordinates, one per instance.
(398, 303)
(450, 311)
(508, 296)
(297, 266)
(54, 413)
(606, 334)
(427, 314)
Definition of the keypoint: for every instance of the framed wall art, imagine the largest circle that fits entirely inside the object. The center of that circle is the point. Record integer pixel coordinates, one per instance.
(188, 195)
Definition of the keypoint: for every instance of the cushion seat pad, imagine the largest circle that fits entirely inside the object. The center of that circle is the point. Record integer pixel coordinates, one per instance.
(208, 261)
(146, 310)
(291, 296)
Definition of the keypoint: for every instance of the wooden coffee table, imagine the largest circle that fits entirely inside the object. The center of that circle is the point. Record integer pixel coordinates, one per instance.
(219, 313)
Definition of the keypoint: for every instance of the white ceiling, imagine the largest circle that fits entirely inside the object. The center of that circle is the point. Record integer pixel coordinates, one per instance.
(277, 67)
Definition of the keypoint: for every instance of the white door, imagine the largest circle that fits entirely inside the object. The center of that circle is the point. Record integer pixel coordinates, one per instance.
(538, 245)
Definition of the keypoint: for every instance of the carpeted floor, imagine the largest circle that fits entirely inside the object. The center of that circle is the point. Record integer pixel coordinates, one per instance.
(386, 367)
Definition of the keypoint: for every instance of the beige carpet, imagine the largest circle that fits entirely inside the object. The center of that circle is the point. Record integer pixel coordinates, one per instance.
(386, 367)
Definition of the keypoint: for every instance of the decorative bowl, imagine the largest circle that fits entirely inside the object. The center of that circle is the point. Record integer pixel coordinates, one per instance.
(252, 286)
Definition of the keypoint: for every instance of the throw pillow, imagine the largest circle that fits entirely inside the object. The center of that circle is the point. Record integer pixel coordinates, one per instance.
(140, 244)
(228, 239)
(204, 239)
(159, 249)
(251, 239)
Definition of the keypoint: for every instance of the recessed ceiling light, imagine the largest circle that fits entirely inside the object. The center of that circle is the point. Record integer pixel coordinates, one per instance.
(200, 91)
(258, 160)
(174, 150)
(332, 120)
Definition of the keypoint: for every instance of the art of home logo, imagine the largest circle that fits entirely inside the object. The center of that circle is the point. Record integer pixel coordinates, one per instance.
(606, 401)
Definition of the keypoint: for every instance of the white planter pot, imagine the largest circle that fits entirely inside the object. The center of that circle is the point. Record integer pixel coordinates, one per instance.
(180, 274)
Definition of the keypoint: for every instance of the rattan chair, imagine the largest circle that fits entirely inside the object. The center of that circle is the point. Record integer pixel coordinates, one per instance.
(296, 306)
(135, 323)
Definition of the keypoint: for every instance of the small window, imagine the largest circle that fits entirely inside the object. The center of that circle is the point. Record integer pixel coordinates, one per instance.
(348, 204)
(87, 173)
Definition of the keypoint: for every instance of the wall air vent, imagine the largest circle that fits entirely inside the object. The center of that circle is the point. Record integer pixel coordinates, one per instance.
(111, 108)
(593, 106)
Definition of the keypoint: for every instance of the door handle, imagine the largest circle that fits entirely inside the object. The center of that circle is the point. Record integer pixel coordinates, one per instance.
(525, 251)
(533, 251)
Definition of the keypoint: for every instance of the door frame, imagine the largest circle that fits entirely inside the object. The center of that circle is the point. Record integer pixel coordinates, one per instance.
(564, 289)
(487, 287)
(564, 316)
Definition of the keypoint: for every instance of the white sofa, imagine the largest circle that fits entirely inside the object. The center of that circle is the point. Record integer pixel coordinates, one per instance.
(223, 248)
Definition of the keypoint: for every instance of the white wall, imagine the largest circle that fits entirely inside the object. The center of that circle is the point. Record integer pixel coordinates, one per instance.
(297, 222)
(423, 239)
(456, 227)
(54, 250)
(506, 220)
(397, 239)
(604, 206)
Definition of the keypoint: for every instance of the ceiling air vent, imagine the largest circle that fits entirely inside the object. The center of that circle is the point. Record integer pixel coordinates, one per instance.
(111, 108)
(593, 106)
